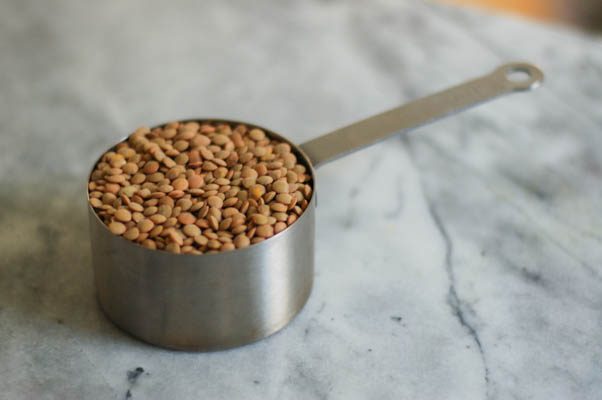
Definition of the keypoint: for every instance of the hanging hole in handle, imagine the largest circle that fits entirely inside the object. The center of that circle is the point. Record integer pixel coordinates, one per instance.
(518, 75)
(521, 76)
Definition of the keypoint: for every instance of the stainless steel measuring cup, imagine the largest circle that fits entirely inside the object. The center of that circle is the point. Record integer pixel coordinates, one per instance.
(216, 301)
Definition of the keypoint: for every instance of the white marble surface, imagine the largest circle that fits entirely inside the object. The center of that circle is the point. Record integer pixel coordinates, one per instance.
(460, 262)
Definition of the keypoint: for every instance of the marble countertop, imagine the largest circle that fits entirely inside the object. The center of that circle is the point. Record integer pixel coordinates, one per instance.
(462, 261)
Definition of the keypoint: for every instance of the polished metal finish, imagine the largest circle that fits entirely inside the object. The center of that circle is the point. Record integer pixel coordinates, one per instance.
(420, 112)
(206, 302)
(216, 301)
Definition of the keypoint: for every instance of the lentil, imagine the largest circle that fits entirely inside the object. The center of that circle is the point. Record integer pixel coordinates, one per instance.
(145, 225)
(123, 215)
(199, 187)
(117, 228)
(280, 186)
(132, 233)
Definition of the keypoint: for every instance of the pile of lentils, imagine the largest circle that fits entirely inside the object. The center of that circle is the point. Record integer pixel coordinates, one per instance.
(199, 187)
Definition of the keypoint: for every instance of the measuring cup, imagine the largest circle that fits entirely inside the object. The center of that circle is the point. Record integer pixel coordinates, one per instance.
(217, 301)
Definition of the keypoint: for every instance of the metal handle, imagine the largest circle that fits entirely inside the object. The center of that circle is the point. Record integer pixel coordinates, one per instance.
(509, 78)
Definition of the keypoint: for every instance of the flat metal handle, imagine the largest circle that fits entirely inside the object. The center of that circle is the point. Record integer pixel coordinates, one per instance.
(509, 78)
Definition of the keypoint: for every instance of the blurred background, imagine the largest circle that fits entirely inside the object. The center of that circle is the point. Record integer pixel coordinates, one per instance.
(585, 14)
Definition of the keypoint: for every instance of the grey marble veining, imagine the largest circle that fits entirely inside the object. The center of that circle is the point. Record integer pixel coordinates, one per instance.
(461, 261)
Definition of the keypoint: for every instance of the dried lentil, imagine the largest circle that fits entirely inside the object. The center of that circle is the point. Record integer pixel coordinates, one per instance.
(117, 228)
(199, 187)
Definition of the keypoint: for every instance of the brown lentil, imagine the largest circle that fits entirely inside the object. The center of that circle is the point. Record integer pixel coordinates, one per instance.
(96, 203)
(151, 167)
(123, 215)
(180, 184)
(241, 241)
(215, 201)
(158, 218)
(191, 230)
(130, 168)
(201, 240)
(259, 219)
(199, 187)
(145, 225)
(279, 227)
(213, 223)
(132, 233)
(186, 218)
(117, 228)
(265, 231)
(284, 198)
(280, 186)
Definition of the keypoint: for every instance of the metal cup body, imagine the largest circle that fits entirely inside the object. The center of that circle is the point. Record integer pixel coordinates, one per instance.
(205, 302)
